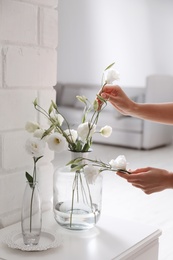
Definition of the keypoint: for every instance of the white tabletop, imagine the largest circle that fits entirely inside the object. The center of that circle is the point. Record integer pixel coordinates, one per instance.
(111, 239)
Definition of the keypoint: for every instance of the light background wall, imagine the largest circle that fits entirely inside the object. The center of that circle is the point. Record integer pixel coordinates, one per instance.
(136, 34)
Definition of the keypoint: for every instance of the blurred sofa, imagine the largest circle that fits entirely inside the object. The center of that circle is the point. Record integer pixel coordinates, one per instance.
(127, 131)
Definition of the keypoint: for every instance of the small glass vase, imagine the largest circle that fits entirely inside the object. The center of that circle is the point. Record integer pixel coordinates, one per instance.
(31, 217)
(76, 203)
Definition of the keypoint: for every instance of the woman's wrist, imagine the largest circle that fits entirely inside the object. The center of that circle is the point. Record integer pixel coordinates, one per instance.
(170, 180)
(134, 109)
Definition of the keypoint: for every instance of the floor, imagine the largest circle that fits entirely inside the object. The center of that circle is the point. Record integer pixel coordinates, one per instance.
(120, 199)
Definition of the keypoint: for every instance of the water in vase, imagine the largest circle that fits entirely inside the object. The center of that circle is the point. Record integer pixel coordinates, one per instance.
(82, 217)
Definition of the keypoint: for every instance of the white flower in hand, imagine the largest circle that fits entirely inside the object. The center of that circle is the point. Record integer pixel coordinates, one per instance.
(72, 134)
(91, 173)
(57, 142)
(106, 131)
(118, 163)
(31, 126)
(35, 146)
(111, 75)
(83, 130)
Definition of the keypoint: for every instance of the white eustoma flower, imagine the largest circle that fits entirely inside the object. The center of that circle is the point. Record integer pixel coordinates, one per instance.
(31, 126)
(72, 134)
(38, 133)
(57, 142)
(106, 131)
(118, 163)
(111, 75)
(35, 146)
(91, 173)
(83, 130)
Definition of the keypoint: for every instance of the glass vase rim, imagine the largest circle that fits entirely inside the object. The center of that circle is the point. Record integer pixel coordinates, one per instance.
(73, 151)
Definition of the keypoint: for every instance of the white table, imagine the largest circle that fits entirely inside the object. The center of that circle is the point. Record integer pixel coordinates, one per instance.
(111, 239)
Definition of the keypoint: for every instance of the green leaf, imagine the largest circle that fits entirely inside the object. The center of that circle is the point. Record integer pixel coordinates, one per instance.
(70, 162)
(108, 67)
(86, 147)
(29, 178)
(54, 105)
(35, 102)
(75, 161)
(38, 158)
(84, 118)
(48, 131)
(75, 168)
(50, 109)
(95, 105)
(78, 146)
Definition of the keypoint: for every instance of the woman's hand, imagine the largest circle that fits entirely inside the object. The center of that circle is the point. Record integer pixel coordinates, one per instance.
(116, 96)
(149, 179)
(157, 112)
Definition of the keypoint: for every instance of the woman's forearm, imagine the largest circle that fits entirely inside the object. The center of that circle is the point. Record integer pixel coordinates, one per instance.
(162, 113)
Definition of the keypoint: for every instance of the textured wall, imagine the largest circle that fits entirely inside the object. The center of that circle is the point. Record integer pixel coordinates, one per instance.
(28, 69)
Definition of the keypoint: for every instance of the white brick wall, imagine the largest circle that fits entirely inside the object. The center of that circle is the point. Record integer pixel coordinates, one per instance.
(36, 67)
(0, 67)
(18, 22)
(48, 21)
(28, 69)
(51, 3)
(12, 102)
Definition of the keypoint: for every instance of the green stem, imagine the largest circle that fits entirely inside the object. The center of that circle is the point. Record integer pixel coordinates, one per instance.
(55, 126)
(77, 187)
(32, 195)
(35, 170)
(72, 202)
(91, 202)
(84, 195)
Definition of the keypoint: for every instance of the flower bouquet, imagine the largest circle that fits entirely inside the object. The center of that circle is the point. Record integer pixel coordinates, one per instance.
(31, 217)
(77, 197)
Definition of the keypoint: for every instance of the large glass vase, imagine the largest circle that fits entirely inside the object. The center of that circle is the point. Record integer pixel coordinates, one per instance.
(76, 203)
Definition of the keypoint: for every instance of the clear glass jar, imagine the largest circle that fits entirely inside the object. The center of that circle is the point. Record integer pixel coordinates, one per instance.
(76, 203)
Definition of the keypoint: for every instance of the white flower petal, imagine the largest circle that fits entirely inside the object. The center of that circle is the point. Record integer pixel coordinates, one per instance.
(72, 134)
(91, 173)
(35, 146)
(38, 133)
(57, 142)
(60, 119)
(83, 130)
(31, 126)
(111, 75)
(118, 163)
(106, 131)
